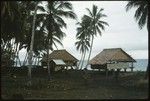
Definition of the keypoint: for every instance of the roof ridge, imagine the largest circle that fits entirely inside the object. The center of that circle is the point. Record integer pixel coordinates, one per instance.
(112, 48)
(60, 50)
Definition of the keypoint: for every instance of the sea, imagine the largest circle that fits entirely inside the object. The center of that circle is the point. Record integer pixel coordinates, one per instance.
(139, 65)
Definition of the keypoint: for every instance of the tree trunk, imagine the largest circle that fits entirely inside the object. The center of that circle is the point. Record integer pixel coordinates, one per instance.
(38, 61)
(83, 60)
(16, 53)
(35, 60)
(80, 61)
(90, 50)
(49, 45)
(24, 62)
(147, 69)
(30, 54)
(18, 57)
(48, 67)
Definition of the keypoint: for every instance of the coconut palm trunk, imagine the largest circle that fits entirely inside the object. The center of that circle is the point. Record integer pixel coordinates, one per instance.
(80, 61)
(90, 50)
(83, 60)
(48, 66)
(38, 60)
(30, 54)
(18, 58)
(147, 69)
(25, 59)
(16, 53)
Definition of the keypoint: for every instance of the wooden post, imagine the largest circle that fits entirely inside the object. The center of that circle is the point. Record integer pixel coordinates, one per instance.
(71, 67)
(113, 72)
(125, 70)
(132, 67)
(117, 74)
(106, 72)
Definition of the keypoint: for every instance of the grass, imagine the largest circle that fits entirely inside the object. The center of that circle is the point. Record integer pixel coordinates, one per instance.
(73, 84)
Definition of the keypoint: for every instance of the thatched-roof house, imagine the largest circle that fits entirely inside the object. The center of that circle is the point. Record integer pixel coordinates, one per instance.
(114, 58)
(60, 56)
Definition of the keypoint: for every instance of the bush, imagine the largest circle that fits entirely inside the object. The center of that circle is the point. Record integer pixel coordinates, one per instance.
(17, 96)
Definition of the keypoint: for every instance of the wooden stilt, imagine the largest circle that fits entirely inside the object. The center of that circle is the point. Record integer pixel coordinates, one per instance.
(125, 70)
(132, 67)
(113, 72)
(106, 73)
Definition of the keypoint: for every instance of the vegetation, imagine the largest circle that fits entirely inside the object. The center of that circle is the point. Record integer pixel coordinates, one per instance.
(90, 26)
(46, 27)
(83, 42)
(18, 19)
(141, 16)
(74, 84)
(38, 29)
(53, 23)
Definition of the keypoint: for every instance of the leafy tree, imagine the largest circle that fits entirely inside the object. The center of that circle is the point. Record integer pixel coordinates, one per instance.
(141, 16)
(53, 23)
(96, 24)
(83, 42)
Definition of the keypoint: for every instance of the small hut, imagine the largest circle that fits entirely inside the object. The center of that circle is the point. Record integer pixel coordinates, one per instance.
(57, 64)
(114, 58)
(60, 58)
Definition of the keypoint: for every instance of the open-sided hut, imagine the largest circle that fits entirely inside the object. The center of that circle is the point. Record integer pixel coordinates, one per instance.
(114, 58)
(57, 64)
(60, 58)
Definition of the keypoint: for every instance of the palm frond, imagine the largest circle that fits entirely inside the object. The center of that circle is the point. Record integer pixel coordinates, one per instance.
(94, 10)
(143, 19)
(141, 13)
(90, 13)
(41, 8)
(64, 5)
(68, 14)
(99, 31)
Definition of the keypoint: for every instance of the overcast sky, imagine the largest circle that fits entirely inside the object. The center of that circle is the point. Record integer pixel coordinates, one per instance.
(123, 31)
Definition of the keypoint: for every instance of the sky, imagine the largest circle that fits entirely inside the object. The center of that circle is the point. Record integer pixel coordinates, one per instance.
(122, 32)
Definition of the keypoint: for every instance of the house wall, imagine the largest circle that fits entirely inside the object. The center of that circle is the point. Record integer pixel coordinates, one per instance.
(70, 63)
(57, 68)
(119, 65)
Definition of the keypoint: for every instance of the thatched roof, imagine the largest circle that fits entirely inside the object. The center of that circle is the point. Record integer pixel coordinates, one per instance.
(113, 54)
(60, 54)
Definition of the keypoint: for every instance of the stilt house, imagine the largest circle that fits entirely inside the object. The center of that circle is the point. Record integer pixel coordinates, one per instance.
(114, 58)
(60, 59)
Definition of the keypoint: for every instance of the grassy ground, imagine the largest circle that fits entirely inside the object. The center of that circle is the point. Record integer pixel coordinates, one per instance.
(73, 84)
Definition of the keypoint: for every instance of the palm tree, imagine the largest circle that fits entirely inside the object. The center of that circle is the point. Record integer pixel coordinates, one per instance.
(17, 18)
(13, 18)
(83, 38)
(96, 24)
(30, 54)
(53, 24)
(82, 45)
(141, 16)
